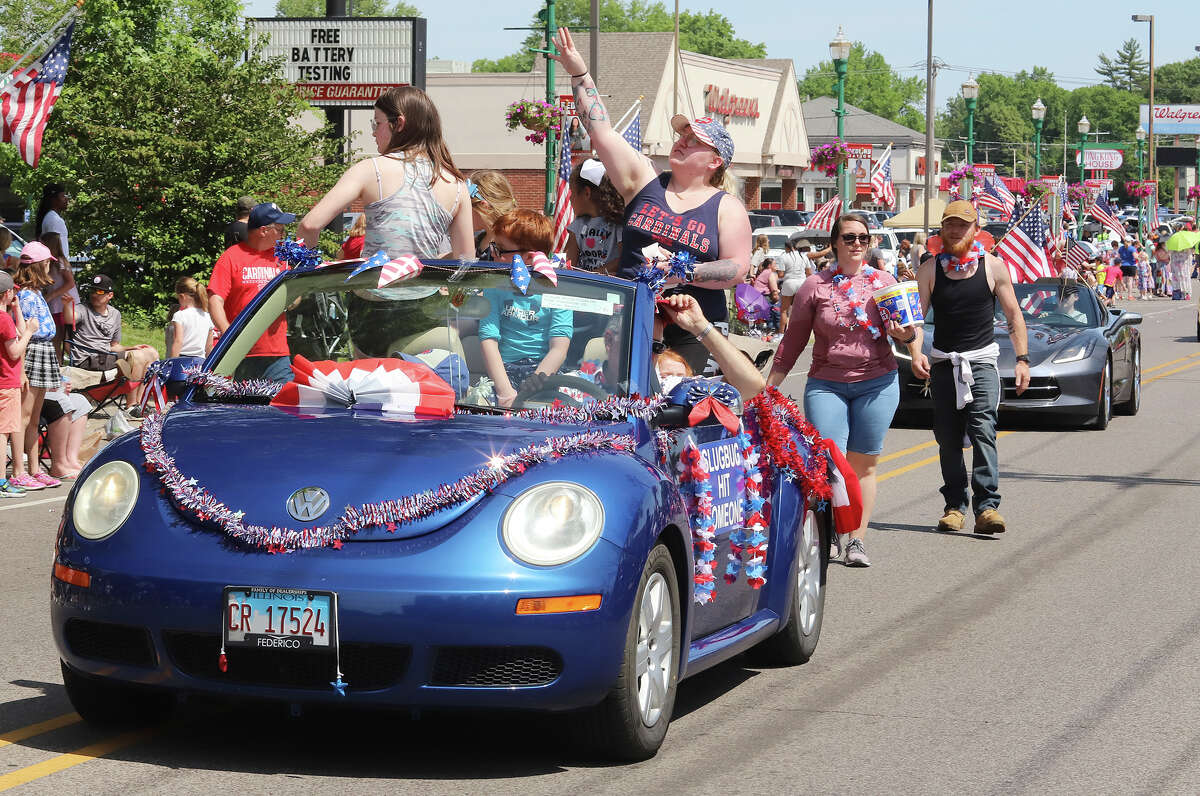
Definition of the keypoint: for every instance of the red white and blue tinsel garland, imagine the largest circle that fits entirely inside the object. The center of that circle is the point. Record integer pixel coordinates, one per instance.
(194, 500)
(224, 388)
(777, 424)
(696, 486)
(751, 538)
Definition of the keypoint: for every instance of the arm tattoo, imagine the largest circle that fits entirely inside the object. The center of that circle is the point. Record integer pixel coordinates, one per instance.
(719, 272)
(590, 108)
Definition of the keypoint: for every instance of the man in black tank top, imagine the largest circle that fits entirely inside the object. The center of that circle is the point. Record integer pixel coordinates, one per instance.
(962, 284)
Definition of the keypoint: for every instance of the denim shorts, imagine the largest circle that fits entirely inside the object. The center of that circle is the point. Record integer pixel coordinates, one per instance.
(855, 415)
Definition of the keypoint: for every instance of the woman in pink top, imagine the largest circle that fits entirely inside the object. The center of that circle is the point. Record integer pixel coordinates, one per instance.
(852, 390)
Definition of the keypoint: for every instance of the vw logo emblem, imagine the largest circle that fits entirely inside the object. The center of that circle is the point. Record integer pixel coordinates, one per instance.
(308, 503)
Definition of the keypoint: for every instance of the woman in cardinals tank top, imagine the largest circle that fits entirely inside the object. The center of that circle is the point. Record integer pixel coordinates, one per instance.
(689, 208)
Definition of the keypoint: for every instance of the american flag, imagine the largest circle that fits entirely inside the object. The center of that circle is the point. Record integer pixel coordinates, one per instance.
(996, 195)
(1100, 211)
(633, 132)
(28, 100)
(563, 213)
(827, 213)
(1024, 246)
(1068, 211)
(1079, 255)
(882, 188)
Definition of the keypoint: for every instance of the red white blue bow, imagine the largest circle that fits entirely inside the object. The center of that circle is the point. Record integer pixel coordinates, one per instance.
(712, 398)
(540, 264)
(390, 270)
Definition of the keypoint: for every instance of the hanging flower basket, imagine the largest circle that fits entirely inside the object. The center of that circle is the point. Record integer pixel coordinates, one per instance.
(1078, 192)
(1139, 190)
(1034, 191)
(537, 116)
(828, 157)
(1194, 192)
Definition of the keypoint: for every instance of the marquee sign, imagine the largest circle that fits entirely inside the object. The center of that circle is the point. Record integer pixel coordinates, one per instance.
(346, 62)
(1101, 159)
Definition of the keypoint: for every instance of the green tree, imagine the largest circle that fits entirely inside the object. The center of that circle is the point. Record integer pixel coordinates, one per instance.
(1127, 69)
(357, 8)
(169, 113)
(871, 84)
(1178, 82)
(709, 33)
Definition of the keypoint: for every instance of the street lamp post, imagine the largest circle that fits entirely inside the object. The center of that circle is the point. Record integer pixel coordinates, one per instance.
(970, 93)
(839, 52)
(1150, 18)
(1084, 126)
(1039, 117)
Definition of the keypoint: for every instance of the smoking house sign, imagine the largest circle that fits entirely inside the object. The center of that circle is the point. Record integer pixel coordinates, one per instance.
(347, 62)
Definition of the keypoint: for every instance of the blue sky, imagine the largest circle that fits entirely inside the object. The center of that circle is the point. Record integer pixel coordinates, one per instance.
(1003, 36)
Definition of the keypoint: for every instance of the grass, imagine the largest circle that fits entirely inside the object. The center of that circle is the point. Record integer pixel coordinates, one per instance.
(132, 335)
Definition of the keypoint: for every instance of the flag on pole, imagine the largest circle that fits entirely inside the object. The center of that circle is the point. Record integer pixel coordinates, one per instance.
(1100, 211)
(564, 214)
(882, 188)
(633, 132)
(995, 194)
(1025, 246)
(826, 214)
(1067, 209)
(29, 98)
(1079, 255)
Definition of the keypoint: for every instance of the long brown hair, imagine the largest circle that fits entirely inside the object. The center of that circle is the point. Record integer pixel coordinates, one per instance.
(605, 195)
(53, 242)
(190, 287)
(421, 133)
(34, 275)
(496, 196)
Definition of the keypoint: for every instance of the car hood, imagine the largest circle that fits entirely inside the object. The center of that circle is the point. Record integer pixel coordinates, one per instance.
(253, 458)
(1042, 339)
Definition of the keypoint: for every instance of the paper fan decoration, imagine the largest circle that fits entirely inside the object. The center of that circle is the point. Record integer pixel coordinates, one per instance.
(385, 385)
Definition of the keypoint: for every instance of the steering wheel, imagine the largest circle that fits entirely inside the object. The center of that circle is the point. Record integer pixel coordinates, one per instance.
(1059, 317)
(551, 387)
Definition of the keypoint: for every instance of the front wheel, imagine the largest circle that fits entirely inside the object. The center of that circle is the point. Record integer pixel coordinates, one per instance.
(1131, 405)
(797, 641)
(1104, 400)
(107, 704)
(631, 722)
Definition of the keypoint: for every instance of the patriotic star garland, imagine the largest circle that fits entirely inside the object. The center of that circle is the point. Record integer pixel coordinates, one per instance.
(195, 501)
(781, 430)
(845, 285)
(696, 486)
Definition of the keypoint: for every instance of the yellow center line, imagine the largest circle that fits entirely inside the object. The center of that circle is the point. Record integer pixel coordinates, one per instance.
(922, 462)
(1169, 372)
(64, 761)
(21, 733)
(906, 451)
(1168, 364)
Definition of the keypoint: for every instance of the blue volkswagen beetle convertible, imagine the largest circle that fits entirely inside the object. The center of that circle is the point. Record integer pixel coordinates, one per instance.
(339, 510)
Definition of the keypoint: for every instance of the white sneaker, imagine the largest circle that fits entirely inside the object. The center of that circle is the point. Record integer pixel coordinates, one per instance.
(856, 554)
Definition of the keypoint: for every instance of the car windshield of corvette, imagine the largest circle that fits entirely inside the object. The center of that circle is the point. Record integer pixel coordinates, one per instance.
(495, 346)
(1052, 305)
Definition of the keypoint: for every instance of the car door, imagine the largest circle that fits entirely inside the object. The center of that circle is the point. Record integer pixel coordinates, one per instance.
(721, 456)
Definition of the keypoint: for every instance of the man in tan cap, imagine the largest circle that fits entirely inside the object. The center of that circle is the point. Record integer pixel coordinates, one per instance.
(962, 284)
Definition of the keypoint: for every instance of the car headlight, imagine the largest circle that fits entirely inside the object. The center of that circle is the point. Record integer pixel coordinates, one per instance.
(553, 523)
(105, 499)
(1074, 353)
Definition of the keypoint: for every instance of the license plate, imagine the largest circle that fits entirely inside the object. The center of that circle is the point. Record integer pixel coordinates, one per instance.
(267, 617)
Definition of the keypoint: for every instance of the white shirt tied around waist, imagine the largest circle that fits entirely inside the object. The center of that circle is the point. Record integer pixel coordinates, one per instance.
(961, 361)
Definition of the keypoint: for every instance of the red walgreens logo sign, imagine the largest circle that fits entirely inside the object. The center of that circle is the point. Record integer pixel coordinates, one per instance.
(720, 101)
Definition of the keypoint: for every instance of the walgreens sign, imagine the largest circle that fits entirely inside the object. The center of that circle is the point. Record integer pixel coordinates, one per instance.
(1172, 119)
(719, 102)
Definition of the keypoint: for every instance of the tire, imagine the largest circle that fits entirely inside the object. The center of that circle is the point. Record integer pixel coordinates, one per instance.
(631, 723)
(1133, 403)
(1198, 328)
(796, 642)
(1103, 412)
(104, 703)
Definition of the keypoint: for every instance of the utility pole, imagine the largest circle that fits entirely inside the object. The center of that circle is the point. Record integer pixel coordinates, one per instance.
(336, 116)
(930, 74)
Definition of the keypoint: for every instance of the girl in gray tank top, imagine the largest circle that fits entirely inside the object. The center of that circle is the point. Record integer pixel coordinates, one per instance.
(410, 221)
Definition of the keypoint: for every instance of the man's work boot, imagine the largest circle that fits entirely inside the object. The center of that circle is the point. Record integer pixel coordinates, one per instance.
(952, 520)
(989, 521)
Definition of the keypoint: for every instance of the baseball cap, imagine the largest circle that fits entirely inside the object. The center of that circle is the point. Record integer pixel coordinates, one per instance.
(268, 213)
(961, 209)
(245, 204)
(101, 282)
(35, 252)
(6, 283)
(710, 132)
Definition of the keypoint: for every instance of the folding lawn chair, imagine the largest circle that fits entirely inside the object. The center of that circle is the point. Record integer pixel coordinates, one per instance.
(113, 387)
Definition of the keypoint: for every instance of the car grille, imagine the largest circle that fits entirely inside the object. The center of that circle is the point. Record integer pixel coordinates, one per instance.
(367, 667)
(1041, 388)
(495, 667)
(101, 641)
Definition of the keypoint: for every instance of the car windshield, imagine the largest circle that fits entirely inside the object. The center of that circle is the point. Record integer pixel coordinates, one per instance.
(1054, 305)
(776, 241)
(469, 324)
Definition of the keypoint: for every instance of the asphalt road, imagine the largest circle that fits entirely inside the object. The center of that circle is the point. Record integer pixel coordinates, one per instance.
(1059, 657)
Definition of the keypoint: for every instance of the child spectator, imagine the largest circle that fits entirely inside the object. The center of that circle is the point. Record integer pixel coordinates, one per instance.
(518, 337)
(595, 243)
(492, 196)
(192, 328)
(1112, 279)
(62, 295)
(15, 334)
(41, 365)
(352, 248)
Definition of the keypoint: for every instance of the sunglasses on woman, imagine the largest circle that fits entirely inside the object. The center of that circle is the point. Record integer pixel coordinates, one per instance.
(850, 237)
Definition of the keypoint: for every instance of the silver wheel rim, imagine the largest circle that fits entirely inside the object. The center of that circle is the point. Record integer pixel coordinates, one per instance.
(1137, 377)
(1107, 395)
(655, 648)
(808, 577)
